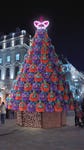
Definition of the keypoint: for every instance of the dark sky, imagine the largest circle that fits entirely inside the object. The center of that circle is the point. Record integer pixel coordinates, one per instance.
(66, 28)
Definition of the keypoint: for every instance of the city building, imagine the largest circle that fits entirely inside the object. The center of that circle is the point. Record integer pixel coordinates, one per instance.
(13, 48)
(75, 78)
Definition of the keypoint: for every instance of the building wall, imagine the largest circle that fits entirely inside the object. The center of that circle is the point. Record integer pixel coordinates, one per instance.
(12, 47)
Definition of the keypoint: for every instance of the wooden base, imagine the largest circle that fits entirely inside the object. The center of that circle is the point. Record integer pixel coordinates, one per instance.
(41, 120)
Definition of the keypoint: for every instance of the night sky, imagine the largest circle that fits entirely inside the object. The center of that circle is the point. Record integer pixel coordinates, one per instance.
(66, 28)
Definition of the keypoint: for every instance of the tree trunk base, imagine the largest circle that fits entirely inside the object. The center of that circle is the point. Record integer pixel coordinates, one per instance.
(41, 120)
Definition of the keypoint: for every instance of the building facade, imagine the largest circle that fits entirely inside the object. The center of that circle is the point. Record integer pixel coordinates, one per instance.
(13, 48)
(75, 79)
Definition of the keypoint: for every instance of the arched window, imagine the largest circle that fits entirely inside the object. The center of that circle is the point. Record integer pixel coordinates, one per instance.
(8, 59)
(0, 60)
(16, 70)
(17, 57)
(7, 73)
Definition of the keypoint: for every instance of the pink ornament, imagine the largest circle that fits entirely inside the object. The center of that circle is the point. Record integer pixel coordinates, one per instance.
(41, 24)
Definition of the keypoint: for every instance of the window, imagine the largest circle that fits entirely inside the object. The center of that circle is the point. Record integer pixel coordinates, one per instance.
(16, 70)
(18, 56)
(0, 60)
(8, 58)
(7, 73)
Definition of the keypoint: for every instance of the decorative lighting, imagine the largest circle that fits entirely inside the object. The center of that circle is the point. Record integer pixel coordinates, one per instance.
(41, 24)
(23, 32)
(13, 41)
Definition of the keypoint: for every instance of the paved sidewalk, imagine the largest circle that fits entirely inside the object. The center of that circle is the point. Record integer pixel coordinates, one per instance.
(14, 137)
(9, 126)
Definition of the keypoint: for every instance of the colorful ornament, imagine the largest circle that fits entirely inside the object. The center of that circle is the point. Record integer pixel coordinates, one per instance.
(15, 106)
(43, 96)
(33, 68)
(30, 77)
(31, 107)
(38, 77)
(41, 68)
(18, 96)
(33, 97)
(58, 108)
(29, 60)
(51, 96)
(60, 86)
(45, 87)
(49, 67)
(36, 87)
(40, 107)
(22, 106)
(44, 59)
(27, 86)
(49, 108)
(54, 77)
(23, 77)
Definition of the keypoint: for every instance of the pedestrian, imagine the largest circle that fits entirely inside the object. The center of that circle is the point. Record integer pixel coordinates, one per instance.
(3, 112)
(0, 113)
(11, 114)
(78, 114)
(82, 107)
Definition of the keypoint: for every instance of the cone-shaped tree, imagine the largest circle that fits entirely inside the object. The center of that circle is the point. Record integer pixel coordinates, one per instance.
(41, 84)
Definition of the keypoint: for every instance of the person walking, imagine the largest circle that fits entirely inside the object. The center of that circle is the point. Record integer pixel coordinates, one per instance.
(11, 114)
(78, 114)
(82, 107)
(3, 112)
(0, 113)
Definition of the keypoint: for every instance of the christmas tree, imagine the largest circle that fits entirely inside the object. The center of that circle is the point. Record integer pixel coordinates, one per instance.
(41, 84)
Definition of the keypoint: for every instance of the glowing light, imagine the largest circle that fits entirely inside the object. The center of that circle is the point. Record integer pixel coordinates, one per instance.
(3, 76)
(73, 76)
(41, 24)
(21, 39)
(4, 42)
(23, 32)
(11, 75)
(13, 41)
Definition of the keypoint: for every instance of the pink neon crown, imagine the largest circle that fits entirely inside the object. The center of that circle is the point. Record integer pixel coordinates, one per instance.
(41, 24)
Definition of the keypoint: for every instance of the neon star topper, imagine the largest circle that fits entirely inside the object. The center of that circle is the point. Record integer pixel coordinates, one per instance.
(41, 24)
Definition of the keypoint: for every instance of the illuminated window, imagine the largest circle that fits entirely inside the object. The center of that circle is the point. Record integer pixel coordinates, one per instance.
(8, 58)
(0, 60)
(18, 56)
